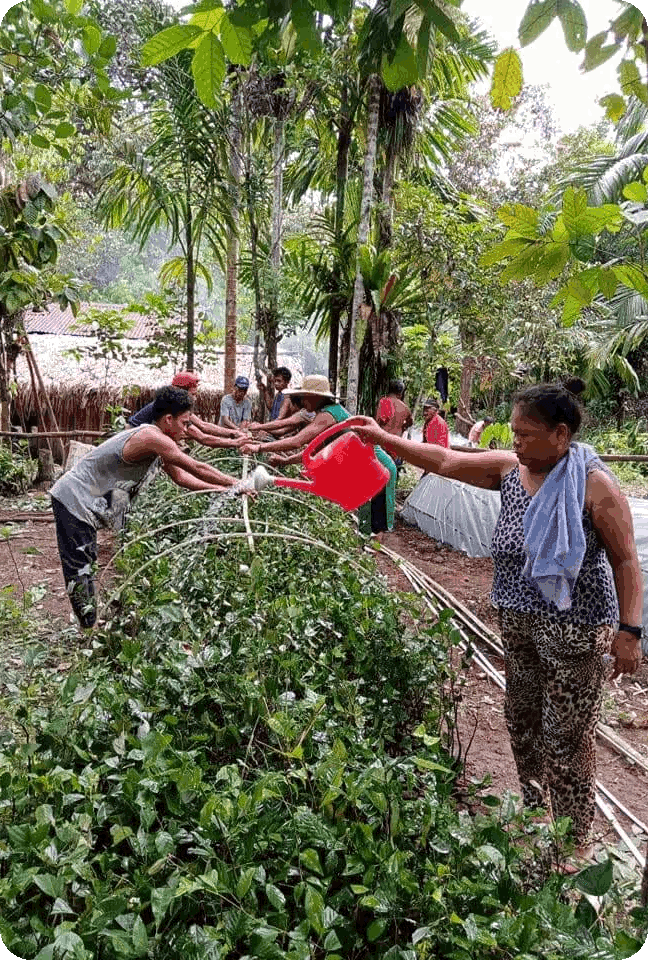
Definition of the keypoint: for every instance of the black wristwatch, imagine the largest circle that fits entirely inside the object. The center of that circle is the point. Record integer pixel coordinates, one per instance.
(635, 631)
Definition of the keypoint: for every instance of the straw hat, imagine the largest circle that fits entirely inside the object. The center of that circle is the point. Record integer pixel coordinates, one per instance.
(313, 385)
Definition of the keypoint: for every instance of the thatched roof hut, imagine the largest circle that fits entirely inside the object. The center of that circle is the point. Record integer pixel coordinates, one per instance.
(82, 387)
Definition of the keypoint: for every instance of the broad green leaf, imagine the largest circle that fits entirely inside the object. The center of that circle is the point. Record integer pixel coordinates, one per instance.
(503, 250)
(626, 945)
(119, 832)
(607, 282)
(579, 291)
(615, 106)
(629, 22)
(108, 47)
(440, 18)
(524, 265)
(632, 277)
(208, 19)
(91, 39)
(64, 130)
(311, 860)
(630, 80)
(245, 882)
(551, 264)
(403, 70)
(50, 885)
(596, 53)
(313, 906)
(574, 24)
(522, 220)
(74, 6)
(636, 191)
(237, 42)
(275, 896)
(574, 205)
(160, 901)
(140, 938)
(537, 17)
(375, 929)
(39, 141)
(595, 880)
(571, 311)
(208, 68)
(507, 79)
(302, 16)
(43, 97)
(167, 43)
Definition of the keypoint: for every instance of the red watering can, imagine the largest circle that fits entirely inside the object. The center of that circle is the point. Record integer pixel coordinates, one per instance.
(346, 471)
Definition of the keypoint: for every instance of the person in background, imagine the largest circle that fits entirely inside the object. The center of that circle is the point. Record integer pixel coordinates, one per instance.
(79, 496)
(236, 407)
(199, 430)
(393, 414)
(280, 408)
(567, 583)
(296, 420)
(316, 396)
(477, 429)
(435, 429)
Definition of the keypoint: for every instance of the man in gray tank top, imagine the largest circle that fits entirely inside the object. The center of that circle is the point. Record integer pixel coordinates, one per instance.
(78, 498)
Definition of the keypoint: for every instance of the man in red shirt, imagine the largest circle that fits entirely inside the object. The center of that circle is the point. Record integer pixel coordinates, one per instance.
(435, 429)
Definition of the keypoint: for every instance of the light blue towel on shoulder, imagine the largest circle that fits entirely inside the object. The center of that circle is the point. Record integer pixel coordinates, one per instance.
(554, 540)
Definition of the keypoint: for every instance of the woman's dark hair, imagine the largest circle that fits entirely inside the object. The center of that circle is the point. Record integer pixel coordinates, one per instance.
(171, 400)
(553, 403)
(397, 387)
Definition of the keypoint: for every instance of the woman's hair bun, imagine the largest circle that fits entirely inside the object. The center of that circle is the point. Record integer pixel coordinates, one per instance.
(575, 386)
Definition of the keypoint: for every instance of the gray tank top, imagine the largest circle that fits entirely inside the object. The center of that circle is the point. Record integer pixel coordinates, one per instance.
(83, 487)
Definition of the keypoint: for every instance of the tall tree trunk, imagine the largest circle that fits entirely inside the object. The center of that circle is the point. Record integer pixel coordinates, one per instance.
(464, 419)
(356, 328)
(387, 202)
(231, 273)
(5, 395)
(271, 332)
(341, 177)
(191, 285)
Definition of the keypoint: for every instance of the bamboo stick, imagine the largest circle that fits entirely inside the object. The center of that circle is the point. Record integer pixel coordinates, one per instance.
(246, 515)
(608, 814)
(37, 397)
(628, 813)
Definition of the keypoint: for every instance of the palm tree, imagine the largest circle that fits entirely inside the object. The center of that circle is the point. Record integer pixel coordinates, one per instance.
(176, 182)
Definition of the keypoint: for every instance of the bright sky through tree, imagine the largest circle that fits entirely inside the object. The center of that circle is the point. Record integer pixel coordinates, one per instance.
(573, 95)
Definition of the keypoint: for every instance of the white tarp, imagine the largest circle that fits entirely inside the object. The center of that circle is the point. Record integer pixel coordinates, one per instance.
(464, 517)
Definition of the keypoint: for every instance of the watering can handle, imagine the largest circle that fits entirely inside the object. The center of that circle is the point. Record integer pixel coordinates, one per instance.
(329, 432)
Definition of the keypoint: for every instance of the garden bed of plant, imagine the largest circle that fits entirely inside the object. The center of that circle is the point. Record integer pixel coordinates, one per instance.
(253, 761)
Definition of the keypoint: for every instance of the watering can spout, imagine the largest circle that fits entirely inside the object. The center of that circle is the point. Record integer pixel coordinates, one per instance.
(260, 479)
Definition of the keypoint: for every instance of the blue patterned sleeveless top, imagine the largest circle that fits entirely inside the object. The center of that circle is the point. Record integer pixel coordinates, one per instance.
(594, 599)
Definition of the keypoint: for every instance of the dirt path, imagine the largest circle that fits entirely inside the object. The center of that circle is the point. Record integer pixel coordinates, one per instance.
(482, 715)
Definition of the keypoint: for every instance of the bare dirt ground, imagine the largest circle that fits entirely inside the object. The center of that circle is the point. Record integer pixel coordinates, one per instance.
(482, 711)
(29, 561)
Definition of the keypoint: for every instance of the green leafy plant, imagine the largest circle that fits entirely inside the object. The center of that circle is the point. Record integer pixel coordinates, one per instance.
(501, 433)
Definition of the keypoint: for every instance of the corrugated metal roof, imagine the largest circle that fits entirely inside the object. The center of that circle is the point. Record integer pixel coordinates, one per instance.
(63, 322)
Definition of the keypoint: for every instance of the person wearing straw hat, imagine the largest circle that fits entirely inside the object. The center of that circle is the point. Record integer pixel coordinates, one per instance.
(317, 397)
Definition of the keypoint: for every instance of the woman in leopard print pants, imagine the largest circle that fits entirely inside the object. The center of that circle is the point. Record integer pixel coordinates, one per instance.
(553, 651)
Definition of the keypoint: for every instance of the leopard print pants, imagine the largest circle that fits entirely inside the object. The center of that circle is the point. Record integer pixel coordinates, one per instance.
(554, 685)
